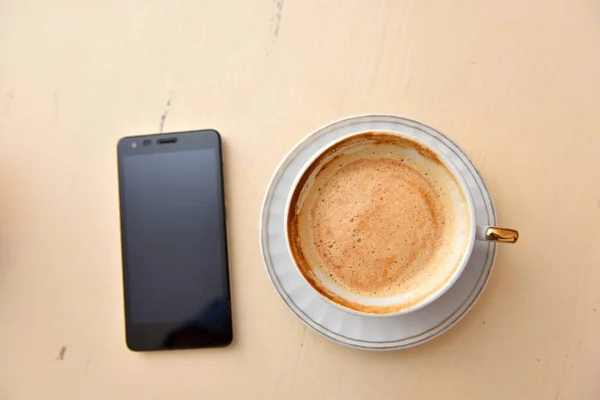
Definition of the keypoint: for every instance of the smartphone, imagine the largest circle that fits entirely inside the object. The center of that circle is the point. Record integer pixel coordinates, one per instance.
(174, 241)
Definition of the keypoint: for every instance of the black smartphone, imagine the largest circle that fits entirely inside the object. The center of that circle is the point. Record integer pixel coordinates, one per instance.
(174, 241)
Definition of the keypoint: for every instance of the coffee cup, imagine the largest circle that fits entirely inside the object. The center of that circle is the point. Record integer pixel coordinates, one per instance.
(380, 223)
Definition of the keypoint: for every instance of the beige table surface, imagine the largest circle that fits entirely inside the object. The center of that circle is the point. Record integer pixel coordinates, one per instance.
(516, 84)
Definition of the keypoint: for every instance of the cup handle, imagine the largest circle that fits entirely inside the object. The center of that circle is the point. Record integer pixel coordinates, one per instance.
(496, 234)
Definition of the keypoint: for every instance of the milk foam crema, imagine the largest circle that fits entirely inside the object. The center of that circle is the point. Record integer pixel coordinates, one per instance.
(378, 216)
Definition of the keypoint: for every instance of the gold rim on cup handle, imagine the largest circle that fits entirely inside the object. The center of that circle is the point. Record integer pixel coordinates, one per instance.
(503, 235)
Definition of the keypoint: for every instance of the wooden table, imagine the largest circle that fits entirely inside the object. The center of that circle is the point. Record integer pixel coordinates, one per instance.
(516, 84)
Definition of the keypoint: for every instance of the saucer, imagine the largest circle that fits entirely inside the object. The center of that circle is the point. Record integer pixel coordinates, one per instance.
(364, 332)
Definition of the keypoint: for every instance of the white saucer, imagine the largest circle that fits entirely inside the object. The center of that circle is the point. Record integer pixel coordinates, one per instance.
(372, 333)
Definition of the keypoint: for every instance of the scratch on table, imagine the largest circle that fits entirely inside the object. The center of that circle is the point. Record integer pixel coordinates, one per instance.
(408, 83)
(278, 15)
(61, 354)
(558, 396)
(276, 20)
(163, 117)
(297, 361)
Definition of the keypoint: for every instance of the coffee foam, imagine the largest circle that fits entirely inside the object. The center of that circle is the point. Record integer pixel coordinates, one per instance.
(378, 216)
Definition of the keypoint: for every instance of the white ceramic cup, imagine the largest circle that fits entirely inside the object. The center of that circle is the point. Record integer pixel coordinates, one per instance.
(476, 232)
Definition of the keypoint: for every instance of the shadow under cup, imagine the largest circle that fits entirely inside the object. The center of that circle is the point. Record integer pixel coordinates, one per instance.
(301, 242)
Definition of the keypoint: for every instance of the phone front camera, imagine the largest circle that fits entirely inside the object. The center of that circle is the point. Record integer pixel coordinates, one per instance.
(147, 142)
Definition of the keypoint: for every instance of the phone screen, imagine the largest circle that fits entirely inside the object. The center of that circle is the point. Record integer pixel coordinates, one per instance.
(174, 241)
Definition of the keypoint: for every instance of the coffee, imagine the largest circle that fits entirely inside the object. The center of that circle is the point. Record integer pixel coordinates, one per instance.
(378, 215)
